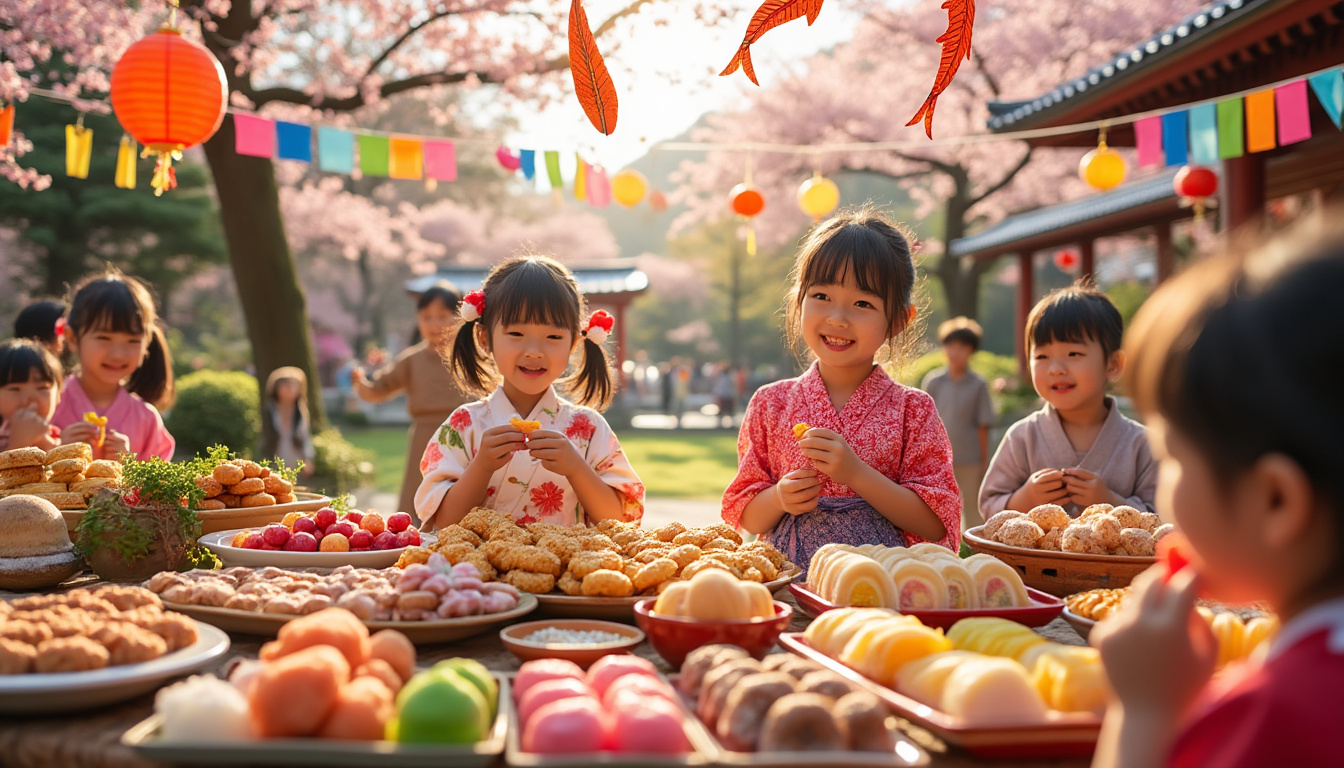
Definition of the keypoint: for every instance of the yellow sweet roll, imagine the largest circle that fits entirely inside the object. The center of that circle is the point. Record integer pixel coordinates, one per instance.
(997, 585)
(1069, 678)
(859, 581)
(526, 427)
(919, 587)
(923, 680)
(832, 630)
(799, 430)
(880, 649)
(993, 637)
(961, 591)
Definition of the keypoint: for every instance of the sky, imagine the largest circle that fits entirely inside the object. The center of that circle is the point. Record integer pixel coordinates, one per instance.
(666, 77)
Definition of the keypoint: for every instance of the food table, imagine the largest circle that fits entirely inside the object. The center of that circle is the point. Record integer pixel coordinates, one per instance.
(92, 739)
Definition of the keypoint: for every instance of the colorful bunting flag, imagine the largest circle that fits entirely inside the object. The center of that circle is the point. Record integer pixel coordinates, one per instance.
(441, 160)
(78, 150)
(599, 187)
(1204, 135)
(126, 163)
(6, 125)
(406, 158)
(254, 136)
(373, 155)
(527, 159)
(1290, 102)
(1148, 140)
(1231, 129)
(553, 170)
(581, 180)
(1175, 135)
(1260, 121)
(335, 150)
(1329, 88)
(293, 141)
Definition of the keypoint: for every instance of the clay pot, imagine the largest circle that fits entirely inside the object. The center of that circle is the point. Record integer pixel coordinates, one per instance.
(168, 553)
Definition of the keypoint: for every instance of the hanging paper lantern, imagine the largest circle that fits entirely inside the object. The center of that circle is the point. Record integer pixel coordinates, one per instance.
(169, 94)
(1195, 182)
(1103, 168)
(657, 201)
(507, 160)
(818, 196)
(629, 187)
(746, 200)
(1068, 260)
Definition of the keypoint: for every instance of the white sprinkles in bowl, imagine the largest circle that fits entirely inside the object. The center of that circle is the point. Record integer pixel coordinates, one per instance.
(557, 636)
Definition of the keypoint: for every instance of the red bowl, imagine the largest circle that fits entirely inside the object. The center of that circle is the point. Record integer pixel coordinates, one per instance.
(674, 637)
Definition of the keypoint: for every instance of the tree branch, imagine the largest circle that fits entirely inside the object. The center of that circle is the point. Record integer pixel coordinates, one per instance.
(1003, 182)
(984, 72)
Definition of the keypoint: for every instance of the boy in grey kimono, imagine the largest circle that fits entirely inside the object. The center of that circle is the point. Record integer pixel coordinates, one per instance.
(1079, 449)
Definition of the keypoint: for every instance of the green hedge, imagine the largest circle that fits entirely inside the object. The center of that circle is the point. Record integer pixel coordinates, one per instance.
(341, 467)
(215, 407)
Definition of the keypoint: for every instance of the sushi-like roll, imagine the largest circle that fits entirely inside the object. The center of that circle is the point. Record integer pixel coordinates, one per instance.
(855, 580)
(961, 591)
(997, 585)
(822, 561)
(919, 587)
(926, 549)
(832, 630)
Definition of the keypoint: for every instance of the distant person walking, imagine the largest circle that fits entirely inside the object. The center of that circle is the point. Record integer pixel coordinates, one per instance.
(963, 403)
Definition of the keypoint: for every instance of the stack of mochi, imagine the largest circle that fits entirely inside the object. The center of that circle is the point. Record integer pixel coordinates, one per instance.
(66, 475)
(1100, 530)
(920, 578)
(243, 483)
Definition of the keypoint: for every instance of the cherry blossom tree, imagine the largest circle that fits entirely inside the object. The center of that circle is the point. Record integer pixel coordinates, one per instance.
(298, 58)
(866, 89)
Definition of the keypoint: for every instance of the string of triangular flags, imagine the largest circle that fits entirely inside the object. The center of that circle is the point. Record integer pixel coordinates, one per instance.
(1257, 122)
(1203, 133)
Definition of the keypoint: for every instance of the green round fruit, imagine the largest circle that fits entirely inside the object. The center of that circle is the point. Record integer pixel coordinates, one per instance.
(476, 673)
(444, 708)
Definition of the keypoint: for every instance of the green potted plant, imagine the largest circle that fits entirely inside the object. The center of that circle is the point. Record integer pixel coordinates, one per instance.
(145, 526)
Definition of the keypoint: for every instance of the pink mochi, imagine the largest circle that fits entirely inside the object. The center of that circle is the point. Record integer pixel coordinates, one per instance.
(545, 692)
(541, 670)
(637, 687)
(654, 728)
(609, 669)
(572, 725)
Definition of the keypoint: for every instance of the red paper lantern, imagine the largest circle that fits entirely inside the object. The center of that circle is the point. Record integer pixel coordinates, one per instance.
(747, 200)
(1195, 182)
(1068, 260)
(657, 201)
(169, 93)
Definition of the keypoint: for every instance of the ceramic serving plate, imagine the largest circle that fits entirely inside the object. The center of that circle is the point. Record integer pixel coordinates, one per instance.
(218, 542)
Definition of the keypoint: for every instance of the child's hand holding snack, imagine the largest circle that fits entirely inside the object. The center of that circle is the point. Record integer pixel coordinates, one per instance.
(797, 492)
(498, 445)
(830, 455)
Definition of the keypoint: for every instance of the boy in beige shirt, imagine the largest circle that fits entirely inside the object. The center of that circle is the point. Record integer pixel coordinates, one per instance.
(963, 403)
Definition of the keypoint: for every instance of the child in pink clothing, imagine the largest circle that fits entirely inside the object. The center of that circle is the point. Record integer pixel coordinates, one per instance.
(125, 372)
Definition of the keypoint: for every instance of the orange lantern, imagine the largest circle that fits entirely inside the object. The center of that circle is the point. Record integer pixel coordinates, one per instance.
(747, 200)
(169, 93)
(657, 201)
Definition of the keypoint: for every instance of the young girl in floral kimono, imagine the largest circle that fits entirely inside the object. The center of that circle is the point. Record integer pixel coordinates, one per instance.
(566, 466)
(874, 464)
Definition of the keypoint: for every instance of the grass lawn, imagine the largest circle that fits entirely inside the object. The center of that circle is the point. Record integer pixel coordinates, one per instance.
(675, 465)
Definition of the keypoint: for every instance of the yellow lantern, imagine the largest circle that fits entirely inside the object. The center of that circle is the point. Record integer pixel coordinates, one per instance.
(818, 196)
(629, 187)
(1103, 168)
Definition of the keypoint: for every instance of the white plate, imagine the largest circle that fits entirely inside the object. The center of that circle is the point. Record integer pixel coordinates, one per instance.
(74, 691)
(218, 543)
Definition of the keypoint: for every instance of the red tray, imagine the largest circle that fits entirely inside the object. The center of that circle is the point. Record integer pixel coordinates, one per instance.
(1044, 609)
(1061, 735)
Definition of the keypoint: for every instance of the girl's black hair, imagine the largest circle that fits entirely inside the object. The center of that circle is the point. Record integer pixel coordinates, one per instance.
(531, 289)
(1240, 354)
(865, 244)
(442, 291)
(38, 321)
(1075, 315)
(119, 303)
(21, 358)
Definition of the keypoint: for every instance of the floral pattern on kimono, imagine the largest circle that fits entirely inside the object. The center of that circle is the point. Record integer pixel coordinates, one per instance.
(892, 428)
(523, 488)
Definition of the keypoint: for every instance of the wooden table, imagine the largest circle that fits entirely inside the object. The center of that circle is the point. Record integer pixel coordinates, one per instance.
(92, 739)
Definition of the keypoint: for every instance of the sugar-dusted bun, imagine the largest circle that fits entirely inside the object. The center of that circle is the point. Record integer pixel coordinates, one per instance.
(69, 451)
(31, 527)
(19, 476)
(103, 468)
(21, 457)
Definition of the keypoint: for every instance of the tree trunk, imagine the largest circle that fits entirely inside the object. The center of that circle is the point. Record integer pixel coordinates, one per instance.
(274, 306)
(735, 307)
(961, 281)
(363, 303)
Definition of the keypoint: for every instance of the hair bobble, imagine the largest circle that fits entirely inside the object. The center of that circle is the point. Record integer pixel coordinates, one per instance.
(60, 326)
(472, 306)
(599, 326)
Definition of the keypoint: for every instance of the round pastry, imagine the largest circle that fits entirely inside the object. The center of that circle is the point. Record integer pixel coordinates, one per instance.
(68, 467)
(228, 474)
(69, 451)
(718, 683)
(102, 468)
(230, 501)
(251, 469)
(1106, 531)
(1051, 540)
(209, 486)
(995, 522)
(20, 476)
(248, 486)
(1161, 532)
(790, 665)
(257, 499)
(1049, 516)
(1127, 517)
(22, 457)
(739, 725)
(702, 660)
(210, 505)
(607, 583)
(1078, 538)
(801, 722)
(31, 527)
(1149, 522)
(87, 487)
(66, 479)
(1095, 509)
(826, 683)
(284, 498)
(862, 720)
(277, 485)
(1020, 533)
(1137, 543)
